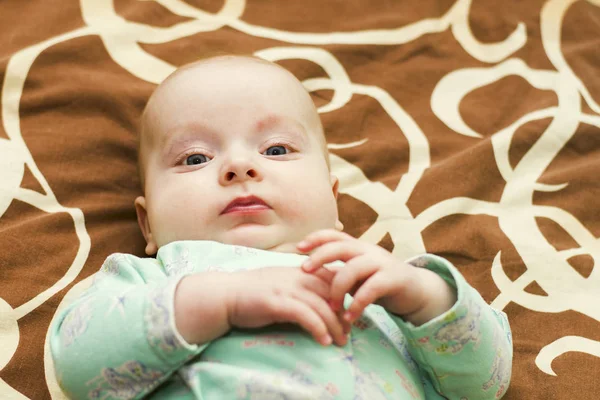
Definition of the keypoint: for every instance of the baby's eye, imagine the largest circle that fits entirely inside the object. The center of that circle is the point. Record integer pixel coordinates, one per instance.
(276, 151)
(196, 159)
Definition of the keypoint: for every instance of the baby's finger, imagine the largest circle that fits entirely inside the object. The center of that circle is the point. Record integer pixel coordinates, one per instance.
(332, 321)
(377, 286)
(296, 311)
(341, 250)
(356, 270)
(325, 274)
(321, 237)
(319, 282)
(346, 326)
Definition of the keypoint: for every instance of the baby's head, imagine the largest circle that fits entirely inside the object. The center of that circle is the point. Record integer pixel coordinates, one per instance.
(232, 150)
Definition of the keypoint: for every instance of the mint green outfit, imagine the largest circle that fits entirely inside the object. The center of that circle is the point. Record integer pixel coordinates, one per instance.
(119, 341)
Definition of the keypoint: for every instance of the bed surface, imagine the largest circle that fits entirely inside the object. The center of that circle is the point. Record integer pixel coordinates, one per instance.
(467, 129)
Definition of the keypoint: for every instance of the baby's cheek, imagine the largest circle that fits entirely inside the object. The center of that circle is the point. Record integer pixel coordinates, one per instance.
(315, 208)
(174, 214)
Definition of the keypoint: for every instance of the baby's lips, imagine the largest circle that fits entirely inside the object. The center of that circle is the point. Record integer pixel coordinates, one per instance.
(245, 201)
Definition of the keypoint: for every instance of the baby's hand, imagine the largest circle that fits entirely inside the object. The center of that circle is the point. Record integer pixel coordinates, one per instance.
(373, 275)
(266, 296)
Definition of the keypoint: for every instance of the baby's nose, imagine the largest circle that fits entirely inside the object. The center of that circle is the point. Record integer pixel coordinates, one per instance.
(239, 171)
(249, 174)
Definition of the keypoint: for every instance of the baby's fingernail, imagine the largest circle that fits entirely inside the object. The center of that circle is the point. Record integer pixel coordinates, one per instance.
(326, 340)
(348, 316)
(306, 265)
(303, 243)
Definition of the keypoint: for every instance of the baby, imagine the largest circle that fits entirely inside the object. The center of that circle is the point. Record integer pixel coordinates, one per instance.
(255, 292)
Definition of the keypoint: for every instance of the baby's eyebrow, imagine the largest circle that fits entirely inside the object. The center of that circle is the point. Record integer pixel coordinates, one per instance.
(177, 142)
(273, 120)
(182, 136)
(290, 126)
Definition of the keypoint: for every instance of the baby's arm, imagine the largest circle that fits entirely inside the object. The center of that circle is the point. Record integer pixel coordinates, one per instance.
(202, 306)
(458, 341)
(118, 339)
(136, 326)
(467, 351)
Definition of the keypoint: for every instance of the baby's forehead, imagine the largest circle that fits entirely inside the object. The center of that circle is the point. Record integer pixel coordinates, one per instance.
(224, 75)
(227, 76)
(223, 66)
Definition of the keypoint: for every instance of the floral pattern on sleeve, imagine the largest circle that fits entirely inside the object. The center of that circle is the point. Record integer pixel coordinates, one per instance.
(458, 331)
(500, 370)
(180, 265)
(296, 384)
(76, 323)
(109, 269)
(124, 382)
(158, 316)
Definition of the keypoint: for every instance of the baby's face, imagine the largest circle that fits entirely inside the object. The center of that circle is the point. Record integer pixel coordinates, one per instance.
(233, 151)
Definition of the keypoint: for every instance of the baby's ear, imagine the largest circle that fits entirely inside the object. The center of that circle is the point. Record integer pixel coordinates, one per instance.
(335, 182)
(142, 217)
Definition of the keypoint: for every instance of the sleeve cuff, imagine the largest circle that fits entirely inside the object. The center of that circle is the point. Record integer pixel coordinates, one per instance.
(447, 332)
(161, 331)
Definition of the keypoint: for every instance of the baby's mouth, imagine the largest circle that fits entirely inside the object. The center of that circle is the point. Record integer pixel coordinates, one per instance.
(246, 205)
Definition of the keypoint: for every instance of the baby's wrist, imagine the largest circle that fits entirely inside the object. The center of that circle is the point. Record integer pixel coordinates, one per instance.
(231, 296)
(438, 298)
(200, 312)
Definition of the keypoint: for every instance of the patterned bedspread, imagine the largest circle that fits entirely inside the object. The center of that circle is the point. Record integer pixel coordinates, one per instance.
(467, 129)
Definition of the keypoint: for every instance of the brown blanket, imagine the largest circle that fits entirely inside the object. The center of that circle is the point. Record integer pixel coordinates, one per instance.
(468, 129)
